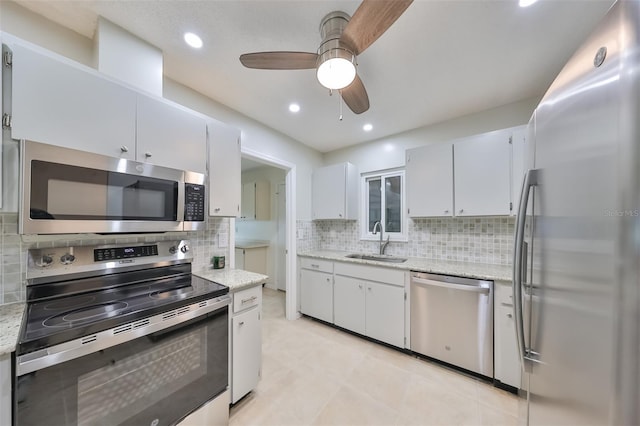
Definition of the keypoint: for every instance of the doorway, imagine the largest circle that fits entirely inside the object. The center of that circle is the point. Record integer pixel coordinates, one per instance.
(283, 270)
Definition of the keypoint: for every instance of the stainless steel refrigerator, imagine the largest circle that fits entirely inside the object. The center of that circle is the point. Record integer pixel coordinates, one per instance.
(576, 258)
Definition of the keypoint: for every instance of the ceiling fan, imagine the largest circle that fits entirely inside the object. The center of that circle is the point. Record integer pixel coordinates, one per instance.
(343, 38)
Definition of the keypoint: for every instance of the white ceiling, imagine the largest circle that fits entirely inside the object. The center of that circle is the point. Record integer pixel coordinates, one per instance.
(440, 60)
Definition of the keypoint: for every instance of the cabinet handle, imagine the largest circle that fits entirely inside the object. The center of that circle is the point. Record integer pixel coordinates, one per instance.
(446, 212)
(360, 286)
(461, 210)
(124, 148)
(251, 299)
(147, 154)
(369, 288)
(315, 265)
(241, 323)
(339, 214)
(217, 209)
(328, 280)
(509, 316)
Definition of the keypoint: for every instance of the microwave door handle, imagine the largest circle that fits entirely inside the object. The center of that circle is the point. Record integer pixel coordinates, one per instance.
(530, 180)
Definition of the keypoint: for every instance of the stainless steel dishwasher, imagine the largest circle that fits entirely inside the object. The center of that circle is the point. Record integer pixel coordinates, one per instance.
(452, 320)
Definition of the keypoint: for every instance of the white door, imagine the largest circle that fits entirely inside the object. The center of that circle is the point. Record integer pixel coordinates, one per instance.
(281, 240)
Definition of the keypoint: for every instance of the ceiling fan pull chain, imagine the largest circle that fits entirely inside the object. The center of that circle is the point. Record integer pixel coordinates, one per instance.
(340, 93)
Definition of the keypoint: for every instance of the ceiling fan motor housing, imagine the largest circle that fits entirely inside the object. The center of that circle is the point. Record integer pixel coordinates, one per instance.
(331, 28)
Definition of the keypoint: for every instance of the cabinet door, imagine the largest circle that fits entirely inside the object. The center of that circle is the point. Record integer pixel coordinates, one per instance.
(224, 169)
(483, 174)
(384, 318)
(349, 303)
(316, 299)
(263, 200)
(169, 135)
(429, 174)
(246, 353)
(329, 192)
(59, 102)
(518, 153)
(255, 260)
(248, 205)
(507, 361)
(239, 258)
(5, 389)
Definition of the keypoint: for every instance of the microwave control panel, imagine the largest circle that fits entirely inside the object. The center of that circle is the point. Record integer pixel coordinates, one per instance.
(193, 202)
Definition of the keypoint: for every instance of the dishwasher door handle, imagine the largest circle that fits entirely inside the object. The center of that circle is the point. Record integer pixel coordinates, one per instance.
(463, 287)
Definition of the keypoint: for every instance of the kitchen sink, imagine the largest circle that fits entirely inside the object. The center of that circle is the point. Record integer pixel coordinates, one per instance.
(377, 257)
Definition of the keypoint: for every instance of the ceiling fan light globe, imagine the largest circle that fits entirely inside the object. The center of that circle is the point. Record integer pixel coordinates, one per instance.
(336, 73)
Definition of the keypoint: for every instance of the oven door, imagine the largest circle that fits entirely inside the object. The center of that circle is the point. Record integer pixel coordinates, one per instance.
(157, 379)
(70, 191)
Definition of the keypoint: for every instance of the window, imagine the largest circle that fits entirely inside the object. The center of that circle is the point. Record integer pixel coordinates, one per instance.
(383, 201)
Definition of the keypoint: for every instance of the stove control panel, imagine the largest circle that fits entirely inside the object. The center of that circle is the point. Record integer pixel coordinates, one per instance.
(45, 262)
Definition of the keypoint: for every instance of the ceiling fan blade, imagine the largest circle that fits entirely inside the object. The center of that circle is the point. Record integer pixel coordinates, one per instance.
(370, 21)
(355, 96)
(280, 60)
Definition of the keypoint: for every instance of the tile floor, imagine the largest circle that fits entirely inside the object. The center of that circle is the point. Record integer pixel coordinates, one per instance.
(314, 374)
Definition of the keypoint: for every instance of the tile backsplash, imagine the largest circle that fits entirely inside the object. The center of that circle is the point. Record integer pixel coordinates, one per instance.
(13, 249)
(479, 240)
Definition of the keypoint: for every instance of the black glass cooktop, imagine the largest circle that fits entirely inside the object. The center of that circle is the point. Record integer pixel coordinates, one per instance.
(56, 320)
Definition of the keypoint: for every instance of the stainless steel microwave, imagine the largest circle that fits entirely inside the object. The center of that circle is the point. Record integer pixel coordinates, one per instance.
(66, 191)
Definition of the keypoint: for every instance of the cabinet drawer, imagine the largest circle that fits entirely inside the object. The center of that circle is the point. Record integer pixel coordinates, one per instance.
(316, 264)
(504, 293)
(247, 298)
(371, 273)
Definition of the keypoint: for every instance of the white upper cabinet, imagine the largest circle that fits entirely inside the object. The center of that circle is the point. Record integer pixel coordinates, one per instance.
(335, 192)
(224, 169)
(60, 102)
(482, 177)
(475, 176)
(256, 201)
(168, 134)
(63, 103)
(429, 173)
(519, 139)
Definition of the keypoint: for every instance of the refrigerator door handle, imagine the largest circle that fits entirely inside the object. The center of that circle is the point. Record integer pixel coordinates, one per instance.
(530, 180)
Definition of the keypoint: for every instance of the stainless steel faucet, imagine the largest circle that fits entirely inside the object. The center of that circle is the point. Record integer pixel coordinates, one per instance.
(378, 227)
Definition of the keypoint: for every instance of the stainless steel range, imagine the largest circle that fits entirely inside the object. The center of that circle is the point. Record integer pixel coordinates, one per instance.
(120, 335)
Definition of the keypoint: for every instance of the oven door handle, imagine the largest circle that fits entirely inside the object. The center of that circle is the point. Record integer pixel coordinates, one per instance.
(67, 351)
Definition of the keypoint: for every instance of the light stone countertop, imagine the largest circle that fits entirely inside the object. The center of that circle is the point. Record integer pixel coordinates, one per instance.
(10, 321)
(462, 269)
(249, 244)
(235, 279)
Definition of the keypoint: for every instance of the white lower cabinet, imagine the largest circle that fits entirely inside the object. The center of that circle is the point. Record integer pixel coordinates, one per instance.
(349, 304)
(246, 342)
(506, 358)
(385, 313)
(316, 288)
(5, 389)
(367, 300)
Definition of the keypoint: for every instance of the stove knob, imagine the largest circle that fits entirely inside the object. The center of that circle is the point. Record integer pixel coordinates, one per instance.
(45, 261)
(173, 250)
(184, 248)
(67, 258)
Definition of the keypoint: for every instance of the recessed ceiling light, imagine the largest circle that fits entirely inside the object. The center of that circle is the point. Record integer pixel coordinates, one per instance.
(193, 40)
(367, 127)
(294, 107)
(525, 3)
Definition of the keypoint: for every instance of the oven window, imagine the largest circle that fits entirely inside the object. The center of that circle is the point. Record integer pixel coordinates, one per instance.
(156, 379)
(64, 192)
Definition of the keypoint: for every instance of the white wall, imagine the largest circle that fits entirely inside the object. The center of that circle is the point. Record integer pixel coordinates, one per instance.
(389, 152)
